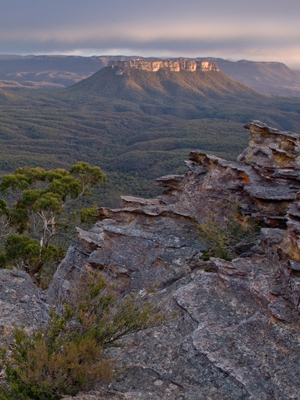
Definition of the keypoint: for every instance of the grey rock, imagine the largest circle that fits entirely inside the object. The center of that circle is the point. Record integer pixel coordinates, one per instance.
(21, 304)
(219, 344)
(231, 330)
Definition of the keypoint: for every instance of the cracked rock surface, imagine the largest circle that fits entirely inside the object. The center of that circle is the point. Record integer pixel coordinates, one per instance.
(231, 330)
(20, 303)
(219, 344)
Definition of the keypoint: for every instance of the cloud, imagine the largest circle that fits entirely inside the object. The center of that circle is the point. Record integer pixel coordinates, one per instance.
(238, 48)
(221, 28)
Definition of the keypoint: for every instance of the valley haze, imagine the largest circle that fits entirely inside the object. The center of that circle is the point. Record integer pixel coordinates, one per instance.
(57, 71)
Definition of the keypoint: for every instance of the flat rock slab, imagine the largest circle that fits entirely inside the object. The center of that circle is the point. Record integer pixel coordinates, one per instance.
(218, 346)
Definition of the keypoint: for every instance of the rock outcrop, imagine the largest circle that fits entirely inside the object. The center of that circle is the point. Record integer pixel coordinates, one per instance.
(181, 64)
(231, 329)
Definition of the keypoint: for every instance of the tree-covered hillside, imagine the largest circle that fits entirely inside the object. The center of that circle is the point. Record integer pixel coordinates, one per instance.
(137, 126)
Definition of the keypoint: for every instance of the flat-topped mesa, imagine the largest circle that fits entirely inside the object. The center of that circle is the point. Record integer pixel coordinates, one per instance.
(272, 149)
(181, 64)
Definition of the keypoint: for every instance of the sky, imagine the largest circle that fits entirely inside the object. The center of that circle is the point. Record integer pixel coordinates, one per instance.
(257, 30)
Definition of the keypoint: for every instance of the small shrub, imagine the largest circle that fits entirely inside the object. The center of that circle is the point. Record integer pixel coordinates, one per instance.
(89, 215)
(2, 357)
(69, 355)
(40, 370)
(226, 240)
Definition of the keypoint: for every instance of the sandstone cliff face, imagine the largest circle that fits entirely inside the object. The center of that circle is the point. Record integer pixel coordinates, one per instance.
(234, 330)
(182, 64)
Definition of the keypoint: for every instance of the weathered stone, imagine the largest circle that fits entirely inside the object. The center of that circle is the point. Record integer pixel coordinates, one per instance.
(231, 329)
(152, 242)
(219, 344)
(271, 148)
(21, 304)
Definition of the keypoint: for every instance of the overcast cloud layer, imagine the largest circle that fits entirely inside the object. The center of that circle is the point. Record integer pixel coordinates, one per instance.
(258, 30)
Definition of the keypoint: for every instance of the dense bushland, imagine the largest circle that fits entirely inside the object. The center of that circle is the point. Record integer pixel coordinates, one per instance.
(136, 135)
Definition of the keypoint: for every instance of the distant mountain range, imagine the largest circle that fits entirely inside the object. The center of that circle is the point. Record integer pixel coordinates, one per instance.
(264, 77)
(166, 85)
(134, 123)
(49, 72)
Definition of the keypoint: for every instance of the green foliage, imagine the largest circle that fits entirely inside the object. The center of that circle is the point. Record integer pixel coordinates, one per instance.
(3, 352)
(88, 176)
(59, 185)
(42, 196)
(178, 113)
(217, 238)
(226, 238)
(88, 215)
(69, 354)
(22, 249)
(98, 308)
(3, 260)
(37, 372)
(4, 210)
(48, 202)
(25, 252)
(53, 254)
(4, 219)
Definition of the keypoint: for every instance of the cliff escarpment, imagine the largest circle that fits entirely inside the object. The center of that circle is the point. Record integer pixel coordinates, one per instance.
(162, 81)
(181, 64)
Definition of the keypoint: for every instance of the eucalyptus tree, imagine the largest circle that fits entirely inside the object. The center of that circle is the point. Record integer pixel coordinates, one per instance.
(40, 198)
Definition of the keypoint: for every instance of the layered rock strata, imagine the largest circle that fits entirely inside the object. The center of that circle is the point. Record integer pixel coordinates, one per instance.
(231, 329)
(181, 64)
(233, 333)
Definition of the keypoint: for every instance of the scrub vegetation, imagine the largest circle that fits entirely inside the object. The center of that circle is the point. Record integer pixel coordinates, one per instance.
(230, 236)
(71, 353)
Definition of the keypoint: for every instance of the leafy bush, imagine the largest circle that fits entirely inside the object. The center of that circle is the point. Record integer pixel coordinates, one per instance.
(22, 249)
(69, 355)
(228, 238)
(88, 215)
